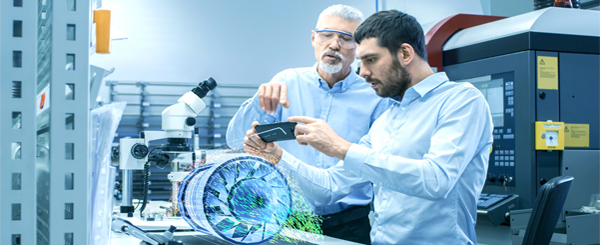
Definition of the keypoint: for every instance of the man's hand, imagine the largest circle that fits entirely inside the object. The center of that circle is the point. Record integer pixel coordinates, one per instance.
(272, 94)
(318, 134)
(253, 145)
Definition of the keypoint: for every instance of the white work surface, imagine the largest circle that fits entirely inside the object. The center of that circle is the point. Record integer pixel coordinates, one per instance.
(124, 239)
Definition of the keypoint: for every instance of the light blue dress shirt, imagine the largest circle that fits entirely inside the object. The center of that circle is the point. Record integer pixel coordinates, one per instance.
(350, 107)
(427, 158)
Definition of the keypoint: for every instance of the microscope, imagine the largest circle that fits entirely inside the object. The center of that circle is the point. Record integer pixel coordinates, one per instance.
(234, 197)
(178, 123)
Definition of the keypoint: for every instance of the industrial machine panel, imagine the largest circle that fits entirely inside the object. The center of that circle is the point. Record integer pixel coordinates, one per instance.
(579, 100)
(498, 90)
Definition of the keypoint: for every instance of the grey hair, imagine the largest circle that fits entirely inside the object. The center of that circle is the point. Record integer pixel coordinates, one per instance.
(344, 11)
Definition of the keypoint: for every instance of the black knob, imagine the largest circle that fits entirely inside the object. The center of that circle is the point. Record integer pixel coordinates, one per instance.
(492, 179)
(543, 181)
(542, 95)
(114, 155)
(502, 179)
(190, 121)
(139, 151)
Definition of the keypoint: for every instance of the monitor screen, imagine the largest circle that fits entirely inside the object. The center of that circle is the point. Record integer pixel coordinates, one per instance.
(493, 91)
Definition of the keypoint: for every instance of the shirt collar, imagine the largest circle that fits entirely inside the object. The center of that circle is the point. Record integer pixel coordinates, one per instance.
(428, 84)
(344, 84)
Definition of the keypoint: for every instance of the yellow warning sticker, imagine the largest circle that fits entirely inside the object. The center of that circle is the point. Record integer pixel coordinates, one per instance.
(577, 135)
(547, 72)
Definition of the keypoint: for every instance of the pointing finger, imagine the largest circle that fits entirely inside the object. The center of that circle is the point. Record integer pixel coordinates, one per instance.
(283, 100)
(274, 98)
(267, 98)
(261, 96)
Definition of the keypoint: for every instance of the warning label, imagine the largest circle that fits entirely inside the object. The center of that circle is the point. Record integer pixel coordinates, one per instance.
(547, 72)
(577, 135)
(544, 74)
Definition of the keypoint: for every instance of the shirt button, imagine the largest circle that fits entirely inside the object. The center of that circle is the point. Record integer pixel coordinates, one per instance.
(403, 108)
(379, 228)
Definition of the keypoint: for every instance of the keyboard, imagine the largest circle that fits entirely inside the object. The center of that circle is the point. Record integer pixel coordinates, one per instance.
(487, 200)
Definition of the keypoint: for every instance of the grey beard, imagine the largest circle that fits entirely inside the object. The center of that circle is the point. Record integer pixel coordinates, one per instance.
(330, 68)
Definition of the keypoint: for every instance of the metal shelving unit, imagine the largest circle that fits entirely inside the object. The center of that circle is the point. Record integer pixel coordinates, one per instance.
(18, 52)
(45, 115)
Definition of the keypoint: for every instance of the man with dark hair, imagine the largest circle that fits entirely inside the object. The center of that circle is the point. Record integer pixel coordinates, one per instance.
(330, 90)
(426, 156)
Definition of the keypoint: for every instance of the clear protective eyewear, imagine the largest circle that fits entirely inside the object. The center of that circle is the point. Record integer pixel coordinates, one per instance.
(346, 40)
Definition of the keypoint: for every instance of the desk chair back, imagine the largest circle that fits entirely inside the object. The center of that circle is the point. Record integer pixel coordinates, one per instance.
(547, 209)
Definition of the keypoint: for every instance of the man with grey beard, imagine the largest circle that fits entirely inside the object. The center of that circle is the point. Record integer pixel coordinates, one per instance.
(331, 91)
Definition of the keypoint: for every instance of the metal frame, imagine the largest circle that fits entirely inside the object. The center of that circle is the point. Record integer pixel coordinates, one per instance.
(53, 189)
(63, 229)
(17, 176)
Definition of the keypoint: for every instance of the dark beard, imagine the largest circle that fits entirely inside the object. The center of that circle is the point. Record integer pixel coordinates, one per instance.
(397, 81)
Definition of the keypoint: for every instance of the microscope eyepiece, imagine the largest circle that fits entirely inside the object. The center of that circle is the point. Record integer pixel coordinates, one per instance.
(204, 87)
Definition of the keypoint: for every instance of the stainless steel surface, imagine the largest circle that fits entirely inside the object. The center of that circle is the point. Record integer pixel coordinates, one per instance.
(127, 187)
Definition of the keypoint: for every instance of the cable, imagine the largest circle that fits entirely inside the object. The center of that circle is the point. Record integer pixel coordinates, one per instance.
(146, 185)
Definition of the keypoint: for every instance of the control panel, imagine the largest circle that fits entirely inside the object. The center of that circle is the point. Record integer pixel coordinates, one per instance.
(499, 92)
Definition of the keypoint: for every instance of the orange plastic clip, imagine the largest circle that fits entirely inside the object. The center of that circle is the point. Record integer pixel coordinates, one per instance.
(102, 20)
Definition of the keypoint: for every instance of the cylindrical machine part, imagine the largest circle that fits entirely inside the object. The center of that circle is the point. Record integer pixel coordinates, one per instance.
(127, 187)
(174, 192)
(196, 140)
(244, 200)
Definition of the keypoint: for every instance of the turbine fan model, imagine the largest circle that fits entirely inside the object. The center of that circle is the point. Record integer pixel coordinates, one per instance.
(244, 200)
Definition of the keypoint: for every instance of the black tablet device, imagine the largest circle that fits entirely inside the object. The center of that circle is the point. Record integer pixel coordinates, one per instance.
(276, 131)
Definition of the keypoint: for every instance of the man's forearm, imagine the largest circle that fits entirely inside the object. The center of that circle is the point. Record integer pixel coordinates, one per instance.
(323, 185)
